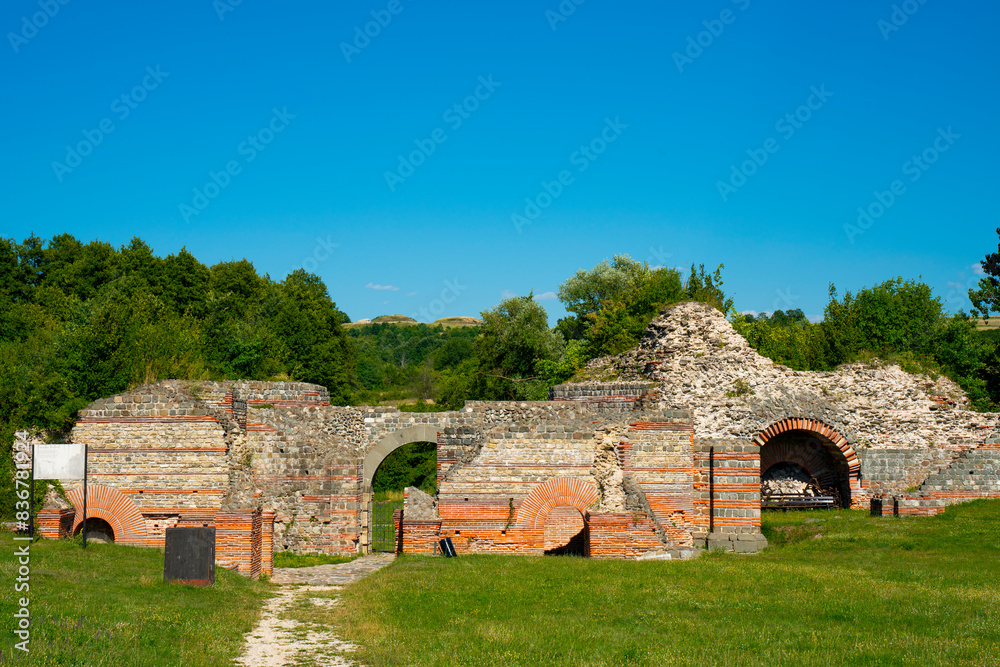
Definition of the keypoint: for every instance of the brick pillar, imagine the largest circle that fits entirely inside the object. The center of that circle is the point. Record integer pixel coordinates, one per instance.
(54, 523)
(735, 497)
(226, 549)
(267, 543)
(397, 523)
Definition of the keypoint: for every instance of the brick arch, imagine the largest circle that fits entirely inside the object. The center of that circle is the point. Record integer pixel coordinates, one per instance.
(556, 492)
(825, 431)
(113, 506)
(392, 442)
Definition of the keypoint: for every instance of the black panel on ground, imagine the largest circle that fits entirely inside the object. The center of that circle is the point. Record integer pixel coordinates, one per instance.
(190, 556)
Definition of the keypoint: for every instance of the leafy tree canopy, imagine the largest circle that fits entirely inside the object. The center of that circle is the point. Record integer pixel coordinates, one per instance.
(986, 299)
(613, 303)
(513, 340)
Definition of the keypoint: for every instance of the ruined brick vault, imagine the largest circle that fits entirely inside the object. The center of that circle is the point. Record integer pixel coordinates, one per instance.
(665, 453)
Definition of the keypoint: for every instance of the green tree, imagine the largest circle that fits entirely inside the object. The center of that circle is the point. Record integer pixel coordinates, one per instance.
(894, 316)
(986, 299)
(613, 303)
(788, 340)
(185, 282)
(414, 464)
(309, 325)
(513, 339)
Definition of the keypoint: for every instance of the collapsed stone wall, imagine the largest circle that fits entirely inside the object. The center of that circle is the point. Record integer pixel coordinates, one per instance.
(698, 362)
(902, 427)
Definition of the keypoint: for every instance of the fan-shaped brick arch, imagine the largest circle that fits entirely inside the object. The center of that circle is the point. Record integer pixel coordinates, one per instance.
(556, 492)
(827, 432)
(116, 508)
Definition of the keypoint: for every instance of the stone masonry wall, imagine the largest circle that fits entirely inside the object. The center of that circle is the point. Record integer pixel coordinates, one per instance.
(677, 440)
(171, 454)
(906, 426)
(891, 471)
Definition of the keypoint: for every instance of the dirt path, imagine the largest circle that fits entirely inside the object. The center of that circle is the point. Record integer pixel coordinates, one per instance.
(278, 641)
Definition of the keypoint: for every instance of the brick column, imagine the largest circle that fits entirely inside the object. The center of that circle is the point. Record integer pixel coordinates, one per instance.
(54, 523)
(267, 543)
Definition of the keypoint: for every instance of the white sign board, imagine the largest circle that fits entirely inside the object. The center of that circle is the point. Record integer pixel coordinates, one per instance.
(60, 461)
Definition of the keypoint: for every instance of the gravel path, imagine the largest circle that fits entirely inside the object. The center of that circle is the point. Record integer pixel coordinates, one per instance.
(278, 641)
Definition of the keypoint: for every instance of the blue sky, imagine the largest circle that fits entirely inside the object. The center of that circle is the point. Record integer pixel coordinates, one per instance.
(740, 132)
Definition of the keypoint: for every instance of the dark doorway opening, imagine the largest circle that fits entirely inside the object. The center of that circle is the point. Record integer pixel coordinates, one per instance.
(803, 464)
(98, 530)
(413, 465)
(564, 532)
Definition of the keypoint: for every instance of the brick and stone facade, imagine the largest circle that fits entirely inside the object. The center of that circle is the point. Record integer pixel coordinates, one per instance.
(665, 458)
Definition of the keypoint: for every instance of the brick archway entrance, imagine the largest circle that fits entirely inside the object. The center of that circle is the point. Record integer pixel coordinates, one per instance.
(373, 459)
(823, 453)
(564, 532)
(98, 530)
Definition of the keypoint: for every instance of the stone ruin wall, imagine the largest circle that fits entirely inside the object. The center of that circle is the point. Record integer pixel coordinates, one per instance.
(661, 455)
(491, 457)
(186, 454)
(904, 428)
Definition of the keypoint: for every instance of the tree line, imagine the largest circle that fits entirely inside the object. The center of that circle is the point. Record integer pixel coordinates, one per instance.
(80, 321)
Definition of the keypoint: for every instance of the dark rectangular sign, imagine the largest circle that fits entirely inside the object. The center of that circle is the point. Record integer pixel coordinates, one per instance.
(190, 556)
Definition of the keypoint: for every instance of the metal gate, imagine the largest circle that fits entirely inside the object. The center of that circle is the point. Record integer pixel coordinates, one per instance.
(383, 529)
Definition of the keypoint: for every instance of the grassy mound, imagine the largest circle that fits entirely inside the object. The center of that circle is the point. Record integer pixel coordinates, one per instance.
(461, 321)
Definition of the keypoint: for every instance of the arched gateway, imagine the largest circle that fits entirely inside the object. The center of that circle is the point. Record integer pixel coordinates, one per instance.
(799, 452)
(373, 459)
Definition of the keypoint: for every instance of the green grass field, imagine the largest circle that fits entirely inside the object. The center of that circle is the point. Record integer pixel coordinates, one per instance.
(845, 590)
(288, 559)
(108, 606)
(835, 588)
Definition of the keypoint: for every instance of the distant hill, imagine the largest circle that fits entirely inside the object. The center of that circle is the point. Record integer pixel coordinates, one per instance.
(446, 322)
(463, 321)
(394, 319)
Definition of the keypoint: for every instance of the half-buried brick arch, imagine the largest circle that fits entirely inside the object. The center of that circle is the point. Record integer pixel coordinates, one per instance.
(554, 512)
(115, 508)
(818, 449)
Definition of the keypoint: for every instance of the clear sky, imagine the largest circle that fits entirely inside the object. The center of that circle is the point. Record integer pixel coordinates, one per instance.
(741, 132)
